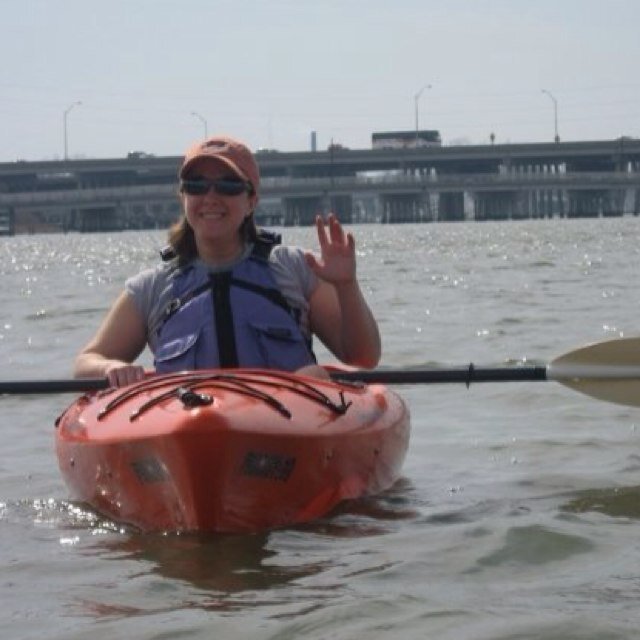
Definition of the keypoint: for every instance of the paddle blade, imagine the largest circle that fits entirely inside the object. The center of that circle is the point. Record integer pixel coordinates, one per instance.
(618, 391)
(607, 370)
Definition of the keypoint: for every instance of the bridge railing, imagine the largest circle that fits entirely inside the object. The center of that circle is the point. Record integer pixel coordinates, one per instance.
(382, 183)
(83, 196)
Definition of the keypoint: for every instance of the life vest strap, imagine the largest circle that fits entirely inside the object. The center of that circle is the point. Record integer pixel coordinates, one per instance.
(221, 291)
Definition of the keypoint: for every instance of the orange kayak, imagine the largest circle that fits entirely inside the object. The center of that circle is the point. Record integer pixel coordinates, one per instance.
(230, 451)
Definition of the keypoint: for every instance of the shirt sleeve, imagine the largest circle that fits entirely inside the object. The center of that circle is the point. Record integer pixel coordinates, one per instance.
(151, 292)
(292, 273)
(295, 279)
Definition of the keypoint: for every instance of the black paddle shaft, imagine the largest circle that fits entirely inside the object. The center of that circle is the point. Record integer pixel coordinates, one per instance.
(28, 387)
(467, 375)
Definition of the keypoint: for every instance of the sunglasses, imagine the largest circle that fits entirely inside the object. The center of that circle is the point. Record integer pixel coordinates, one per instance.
(222, 186)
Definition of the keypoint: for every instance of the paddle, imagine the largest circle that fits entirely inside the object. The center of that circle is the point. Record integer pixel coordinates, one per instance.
(607, 370)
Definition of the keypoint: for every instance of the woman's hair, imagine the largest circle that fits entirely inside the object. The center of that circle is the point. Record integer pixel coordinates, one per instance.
(183, 242)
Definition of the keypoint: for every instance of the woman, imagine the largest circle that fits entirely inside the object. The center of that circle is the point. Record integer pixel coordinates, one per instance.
(229, 295)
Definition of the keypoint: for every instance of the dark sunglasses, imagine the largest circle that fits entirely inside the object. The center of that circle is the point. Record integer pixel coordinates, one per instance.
(222, 186)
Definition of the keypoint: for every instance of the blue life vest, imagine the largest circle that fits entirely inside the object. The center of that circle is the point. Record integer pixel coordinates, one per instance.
(235, 318)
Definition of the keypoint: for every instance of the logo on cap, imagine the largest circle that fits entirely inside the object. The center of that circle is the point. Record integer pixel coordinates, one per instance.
(216, 144)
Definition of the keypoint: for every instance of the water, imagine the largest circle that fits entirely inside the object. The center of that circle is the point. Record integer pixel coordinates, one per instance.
(519, 510)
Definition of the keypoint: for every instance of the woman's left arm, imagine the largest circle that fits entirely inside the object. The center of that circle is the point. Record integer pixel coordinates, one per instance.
(339, 315)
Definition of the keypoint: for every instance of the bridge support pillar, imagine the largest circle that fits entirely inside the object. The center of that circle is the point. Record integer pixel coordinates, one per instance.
(478, 205)
(586, 204)
(401, 208)
(341, 205)
(614, 203)
(496, 205)
(7, 221)
(428, 207)
(301, 211)
(563, 203)
(97, 219)
(451, 207)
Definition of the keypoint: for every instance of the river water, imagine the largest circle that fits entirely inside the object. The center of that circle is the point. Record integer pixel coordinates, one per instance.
(518, 514)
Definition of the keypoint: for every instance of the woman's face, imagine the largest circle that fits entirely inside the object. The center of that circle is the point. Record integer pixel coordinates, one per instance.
(216, 219)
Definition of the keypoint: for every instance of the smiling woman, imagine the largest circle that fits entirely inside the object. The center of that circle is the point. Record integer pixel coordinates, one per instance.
(218, 182)
(228, 294)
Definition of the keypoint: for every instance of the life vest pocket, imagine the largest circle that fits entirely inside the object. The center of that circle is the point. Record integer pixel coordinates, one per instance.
(281, 347)
(178, 354)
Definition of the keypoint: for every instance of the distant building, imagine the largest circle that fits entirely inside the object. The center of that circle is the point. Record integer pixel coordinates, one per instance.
(405, 139)
(139, 155)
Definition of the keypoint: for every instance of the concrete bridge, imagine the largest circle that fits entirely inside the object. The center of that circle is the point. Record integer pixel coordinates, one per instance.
(600, 178)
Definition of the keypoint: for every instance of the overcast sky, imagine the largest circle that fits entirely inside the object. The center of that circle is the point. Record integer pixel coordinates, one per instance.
(272, 71)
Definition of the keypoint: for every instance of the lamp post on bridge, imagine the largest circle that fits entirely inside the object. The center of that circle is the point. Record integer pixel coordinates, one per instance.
(204, 123)
(64, 127)
(416, 98)
(555, 114)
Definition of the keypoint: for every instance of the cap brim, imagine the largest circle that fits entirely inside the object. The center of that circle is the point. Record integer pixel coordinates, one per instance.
(210, 156)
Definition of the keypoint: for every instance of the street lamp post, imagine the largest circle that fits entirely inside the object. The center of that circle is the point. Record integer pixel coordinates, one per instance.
(416, 98)
(204, 122)
(555, 114)
(64, 127)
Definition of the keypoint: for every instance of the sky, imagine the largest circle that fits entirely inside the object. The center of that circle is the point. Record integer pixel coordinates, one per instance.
(152, 75)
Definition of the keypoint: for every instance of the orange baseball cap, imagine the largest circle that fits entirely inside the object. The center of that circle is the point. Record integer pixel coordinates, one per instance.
(231, 152)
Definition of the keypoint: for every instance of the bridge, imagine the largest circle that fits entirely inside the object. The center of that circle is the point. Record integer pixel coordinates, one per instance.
(425, 184)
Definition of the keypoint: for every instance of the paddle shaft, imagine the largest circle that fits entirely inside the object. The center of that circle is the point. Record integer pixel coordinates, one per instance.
(435, 375)
(467, 375)
(27, 387)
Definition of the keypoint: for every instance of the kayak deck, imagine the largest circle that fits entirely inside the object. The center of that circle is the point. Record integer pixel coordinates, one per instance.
(230, 451)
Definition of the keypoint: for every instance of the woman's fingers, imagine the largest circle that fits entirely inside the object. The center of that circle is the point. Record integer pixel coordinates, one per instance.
(335, 230)
(120, 375)
(322, 232)
(336, 236)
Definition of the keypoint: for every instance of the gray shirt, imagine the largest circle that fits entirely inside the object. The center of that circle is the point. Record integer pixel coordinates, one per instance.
(152, 289)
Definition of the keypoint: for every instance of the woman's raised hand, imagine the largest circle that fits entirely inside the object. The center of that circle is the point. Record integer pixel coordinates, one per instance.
(337, 263)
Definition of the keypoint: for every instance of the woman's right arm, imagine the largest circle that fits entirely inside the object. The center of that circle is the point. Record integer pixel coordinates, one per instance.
(119, 341)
